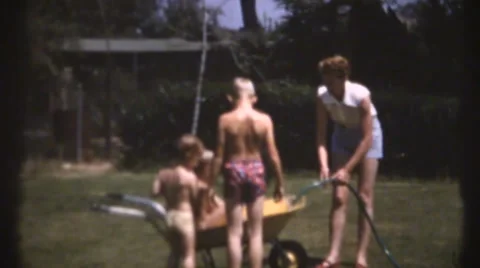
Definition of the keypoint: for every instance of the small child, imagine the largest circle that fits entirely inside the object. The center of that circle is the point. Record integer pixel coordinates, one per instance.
(179, 186)
(211, 208)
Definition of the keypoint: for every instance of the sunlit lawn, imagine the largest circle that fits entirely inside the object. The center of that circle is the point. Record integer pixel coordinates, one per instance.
(419, 222)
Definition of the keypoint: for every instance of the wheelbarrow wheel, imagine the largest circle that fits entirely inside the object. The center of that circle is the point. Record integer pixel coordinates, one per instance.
(288, 254)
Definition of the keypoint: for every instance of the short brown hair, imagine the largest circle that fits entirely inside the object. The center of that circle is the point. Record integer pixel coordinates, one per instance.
(337, 65)
(242, 85)
(189, 145)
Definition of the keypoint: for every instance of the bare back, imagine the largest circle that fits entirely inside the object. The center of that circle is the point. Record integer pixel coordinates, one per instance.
(178, 188)
(245, 134)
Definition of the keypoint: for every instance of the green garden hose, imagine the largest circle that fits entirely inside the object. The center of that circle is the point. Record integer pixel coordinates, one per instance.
(319, 184)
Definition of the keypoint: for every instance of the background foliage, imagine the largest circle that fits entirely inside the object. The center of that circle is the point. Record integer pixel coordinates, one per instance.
(410, 56)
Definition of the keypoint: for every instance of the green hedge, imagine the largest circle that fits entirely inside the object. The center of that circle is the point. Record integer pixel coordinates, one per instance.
(419, 131)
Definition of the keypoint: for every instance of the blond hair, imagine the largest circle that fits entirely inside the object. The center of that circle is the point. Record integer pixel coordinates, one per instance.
(243, 86)
(189, 145)
(337, 65)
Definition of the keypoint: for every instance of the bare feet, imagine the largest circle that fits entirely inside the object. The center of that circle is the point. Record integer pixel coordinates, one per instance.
(328, 264)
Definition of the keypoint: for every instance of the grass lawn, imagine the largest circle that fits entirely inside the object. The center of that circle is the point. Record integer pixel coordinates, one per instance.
(418, 221)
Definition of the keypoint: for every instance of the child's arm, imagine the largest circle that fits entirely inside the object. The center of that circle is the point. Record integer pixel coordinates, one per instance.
(198, 200)
(156, 186)
(217, 161)
(273, 152)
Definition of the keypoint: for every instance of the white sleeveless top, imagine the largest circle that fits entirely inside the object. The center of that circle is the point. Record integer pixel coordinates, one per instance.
(346, 112)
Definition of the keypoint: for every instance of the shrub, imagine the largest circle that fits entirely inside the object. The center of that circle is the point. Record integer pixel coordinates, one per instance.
(419, 131)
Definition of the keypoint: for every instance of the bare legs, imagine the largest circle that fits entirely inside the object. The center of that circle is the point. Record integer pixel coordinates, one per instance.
(367, 173)
(235, 232)
(183, 250)
(255, 231)
(188, 256)
(338, 213)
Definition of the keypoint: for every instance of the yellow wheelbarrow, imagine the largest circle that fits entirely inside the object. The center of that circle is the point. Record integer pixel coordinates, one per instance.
(283, 253)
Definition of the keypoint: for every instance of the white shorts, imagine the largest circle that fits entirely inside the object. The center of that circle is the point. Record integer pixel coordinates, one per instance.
(346, 140)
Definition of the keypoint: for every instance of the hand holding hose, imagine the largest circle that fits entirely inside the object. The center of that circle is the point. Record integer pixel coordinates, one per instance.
(342, 175)
(324, 173)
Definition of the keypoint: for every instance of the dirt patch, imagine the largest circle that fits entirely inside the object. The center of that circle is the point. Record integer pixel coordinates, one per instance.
(87, 169)
(35, 169)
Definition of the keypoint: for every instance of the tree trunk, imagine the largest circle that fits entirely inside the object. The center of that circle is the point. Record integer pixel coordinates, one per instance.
(249, 15)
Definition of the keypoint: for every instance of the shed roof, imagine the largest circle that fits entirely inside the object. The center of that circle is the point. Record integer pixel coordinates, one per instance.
(134, 45)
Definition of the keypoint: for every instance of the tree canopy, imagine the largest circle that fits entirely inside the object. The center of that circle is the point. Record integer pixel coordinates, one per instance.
(416, 46)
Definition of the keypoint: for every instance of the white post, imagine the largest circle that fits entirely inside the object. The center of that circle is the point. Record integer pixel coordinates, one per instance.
(79, 123)
(198, 98)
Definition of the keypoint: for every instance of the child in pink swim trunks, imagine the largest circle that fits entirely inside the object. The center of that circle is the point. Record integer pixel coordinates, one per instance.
(244, 180)
(242, 133)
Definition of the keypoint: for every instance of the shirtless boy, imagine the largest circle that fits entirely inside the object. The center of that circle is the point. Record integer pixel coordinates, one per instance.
(242, 133)
(178, 185)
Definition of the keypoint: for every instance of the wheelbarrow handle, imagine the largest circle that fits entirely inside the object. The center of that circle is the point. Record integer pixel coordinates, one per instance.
(118, 210)
(138, 200)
